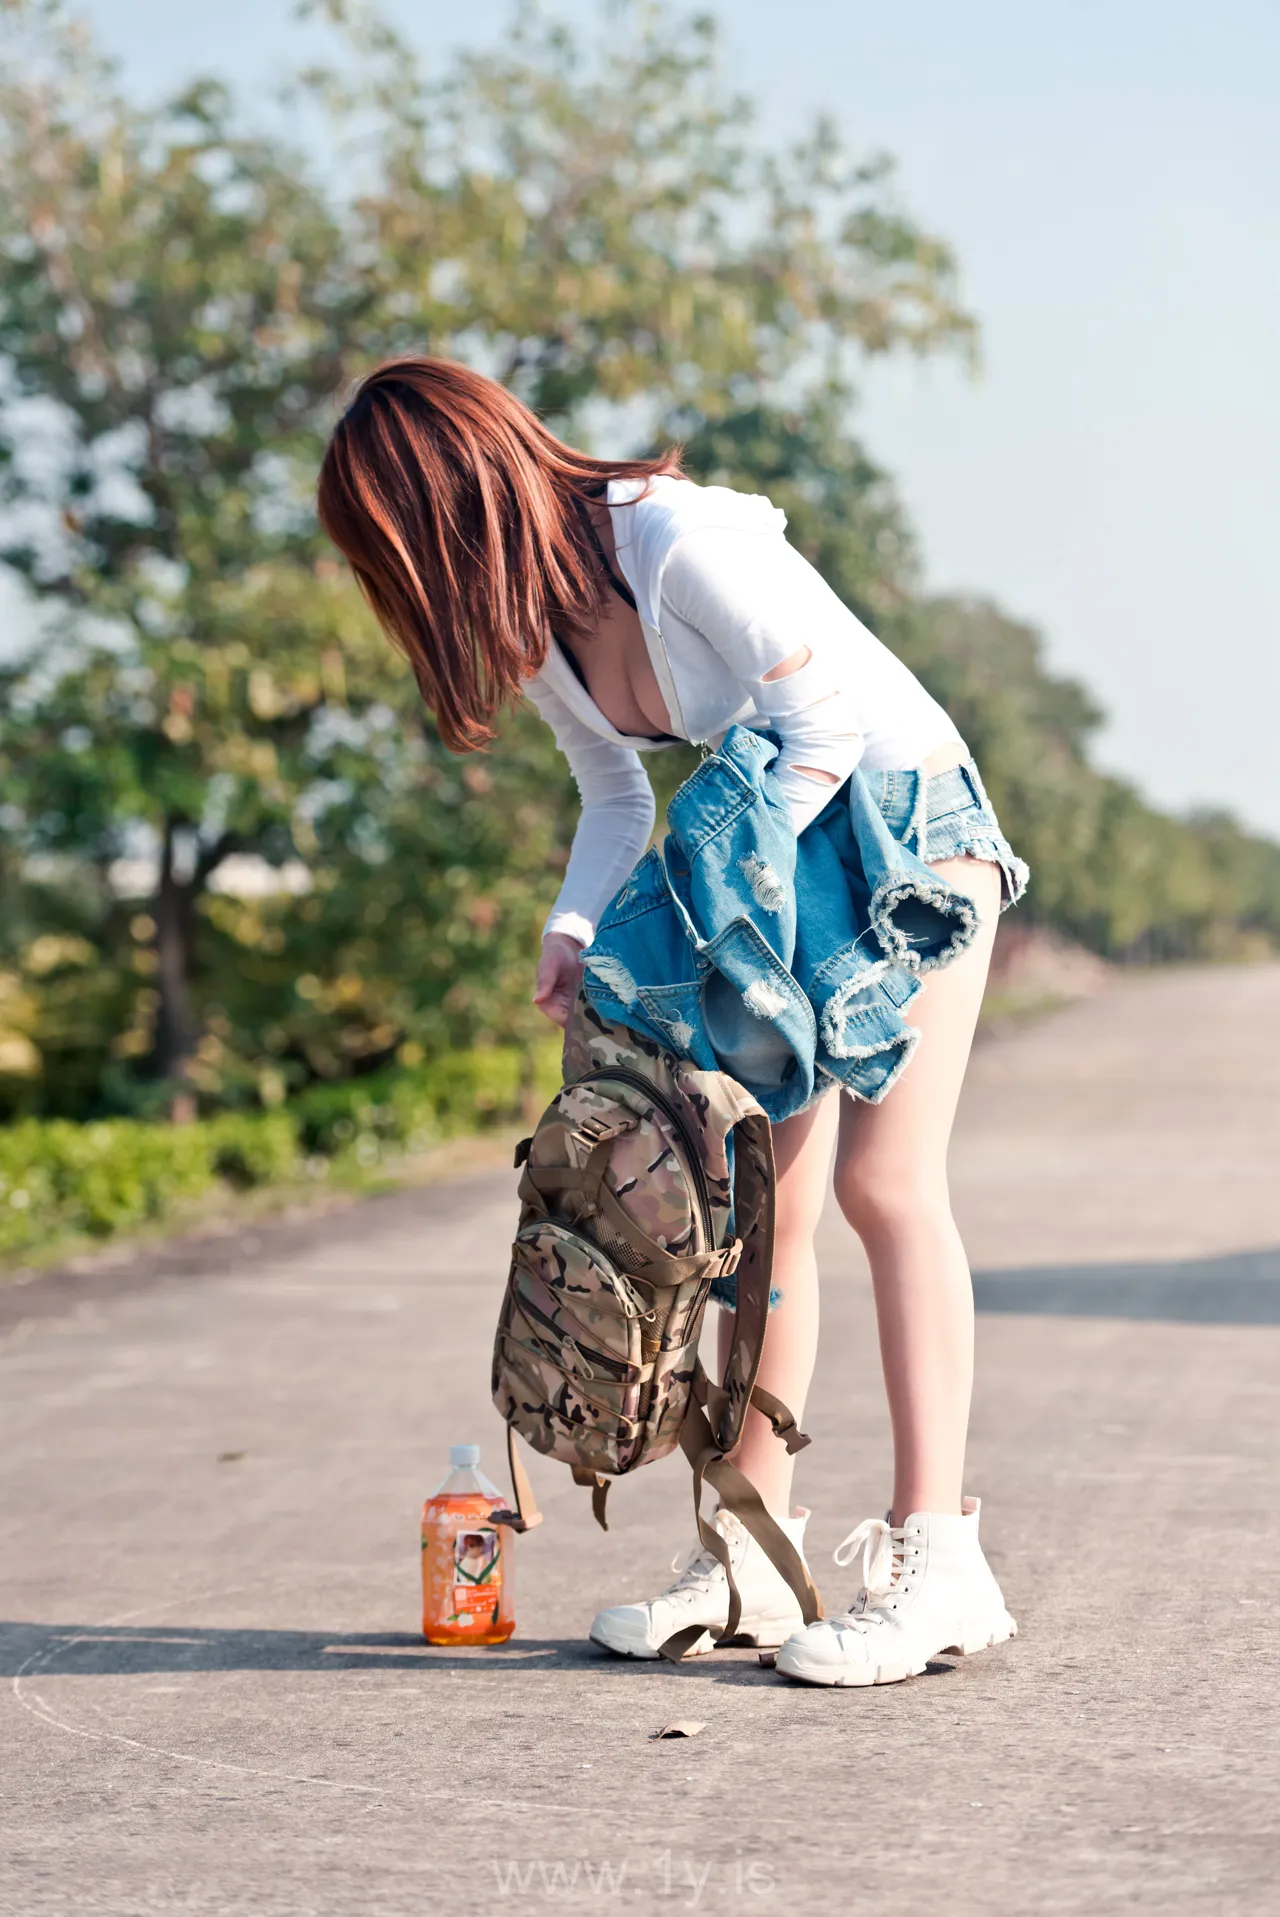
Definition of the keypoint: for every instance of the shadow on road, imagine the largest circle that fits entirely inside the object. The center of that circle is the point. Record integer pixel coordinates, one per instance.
(1236, 1288)
(36, 1651)
(102, 1650)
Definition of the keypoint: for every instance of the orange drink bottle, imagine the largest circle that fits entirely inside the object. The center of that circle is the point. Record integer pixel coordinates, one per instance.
(467, 1594)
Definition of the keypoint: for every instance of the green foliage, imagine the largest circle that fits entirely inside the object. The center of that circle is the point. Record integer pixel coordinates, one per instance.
(59, 1180)
(61, 1177)
(176, 306)
(61, 998)
(595, 209)
(252, 1148)
(458, 1093)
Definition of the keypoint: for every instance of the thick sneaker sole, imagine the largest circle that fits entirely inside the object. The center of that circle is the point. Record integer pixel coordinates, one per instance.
(862, 1677)
(766, 1633)
(981, 1640)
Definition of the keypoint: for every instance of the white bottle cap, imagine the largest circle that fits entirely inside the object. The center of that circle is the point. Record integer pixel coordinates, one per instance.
(461, 1455)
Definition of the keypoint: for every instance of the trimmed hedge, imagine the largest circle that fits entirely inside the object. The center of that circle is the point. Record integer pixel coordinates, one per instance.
(58, 1178)
(411, 1108)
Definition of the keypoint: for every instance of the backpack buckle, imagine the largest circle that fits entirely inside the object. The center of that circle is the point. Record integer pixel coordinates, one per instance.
(593, 1129)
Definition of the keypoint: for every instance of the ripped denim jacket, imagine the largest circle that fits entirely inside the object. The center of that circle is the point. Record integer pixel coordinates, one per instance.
(786, 962)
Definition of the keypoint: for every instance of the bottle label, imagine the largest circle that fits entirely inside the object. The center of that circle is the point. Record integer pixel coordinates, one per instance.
(477, 1576)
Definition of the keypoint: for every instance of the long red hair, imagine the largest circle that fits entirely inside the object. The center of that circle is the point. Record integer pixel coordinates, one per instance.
(463, 519)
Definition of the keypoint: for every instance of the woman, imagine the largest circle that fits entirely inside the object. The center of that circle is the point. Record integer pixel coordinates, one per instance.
(502, 562)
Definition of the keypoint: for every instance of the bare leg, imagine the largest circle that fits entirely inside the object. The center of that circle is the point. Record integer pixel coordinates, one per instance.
(891, 1184)
(802, 1155)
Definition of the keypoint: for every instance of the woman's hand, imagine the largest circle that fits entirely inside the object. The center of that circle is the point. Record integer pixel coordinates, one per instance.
(559, 975)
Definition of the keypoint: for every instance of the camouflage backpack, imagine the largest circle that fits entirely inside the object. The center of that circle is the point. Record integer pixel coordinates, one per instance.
(629, 1213)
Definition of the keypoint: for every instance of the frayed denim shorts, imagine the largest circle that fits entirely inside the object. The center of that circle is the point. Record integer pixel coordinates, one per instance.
(947, 815)
(940, 815)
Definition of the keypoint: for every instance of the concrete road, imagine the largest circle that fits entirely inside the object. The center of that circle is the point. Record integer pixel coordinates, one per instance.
(216, 1702)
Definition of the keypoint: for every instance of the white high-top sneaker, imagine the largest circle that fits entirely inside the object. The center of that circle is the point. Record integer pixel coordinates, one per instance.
(700, 1595)
(926, 1589)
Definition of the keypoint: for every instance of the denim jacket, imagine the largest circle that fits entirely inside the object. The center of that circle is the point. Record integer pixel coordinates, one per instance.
(786, 962)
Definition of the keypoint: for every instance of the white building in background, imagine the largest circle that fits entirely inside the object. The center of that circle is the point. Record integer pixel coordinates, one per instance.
(244, 875)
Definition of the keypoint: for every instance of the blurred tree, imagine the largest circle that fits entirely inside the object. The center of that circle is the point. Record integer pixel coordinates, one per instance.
(174, 306)
(430, 888)
(592, 217)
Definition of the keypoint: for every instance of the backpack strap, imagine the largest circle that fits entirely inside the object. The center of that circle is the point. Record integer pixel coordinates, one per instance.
(753, 1208)
(714, 1420)
(525, 1513)
(782, 1420)
(737, 1495)
(599, 1487)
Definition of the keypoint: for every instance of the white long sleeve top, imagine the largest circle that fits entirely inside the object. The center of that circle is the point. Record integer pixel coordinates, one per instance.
(722, 600)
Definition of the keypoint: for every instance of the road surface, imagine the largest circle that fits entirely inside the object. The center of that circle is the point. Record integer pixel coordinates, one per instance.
(215, 1700)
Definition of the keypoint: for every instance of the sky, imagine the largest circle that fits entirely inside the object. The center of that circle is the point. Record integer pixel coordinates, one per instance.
(1108, 172)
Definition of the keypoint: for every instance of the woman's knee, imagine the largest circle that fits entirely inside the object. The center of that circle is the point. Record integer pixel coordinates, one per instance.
(884, 1200)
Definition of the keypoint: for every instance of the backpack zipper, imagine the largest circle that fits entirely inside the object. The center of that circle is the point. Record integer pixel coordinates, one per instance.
(618, 1369)
(693, 1158)
(624, 1291)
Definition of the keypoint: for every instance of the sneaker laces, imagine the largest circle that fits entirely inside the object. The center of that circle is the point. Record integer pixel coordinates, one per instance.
(699, 1568)
(883, 1548)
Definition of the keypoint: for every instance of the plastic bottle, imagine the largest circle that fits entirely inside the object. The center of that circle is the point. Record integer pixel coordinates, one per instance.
(467, 1594)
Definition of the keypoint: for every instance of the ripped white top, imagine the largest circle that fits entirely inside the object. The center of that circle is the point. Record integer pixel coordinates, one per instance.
(722, 600)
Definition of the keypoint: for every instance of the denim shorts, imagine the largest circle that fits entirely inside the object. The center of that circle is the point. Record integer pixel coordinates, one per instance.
(947, 815)
(940, 815)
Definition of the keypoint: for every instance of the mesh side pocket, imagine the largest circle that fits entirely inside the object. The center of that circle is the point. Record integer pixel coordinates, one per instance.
(615, 1247)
